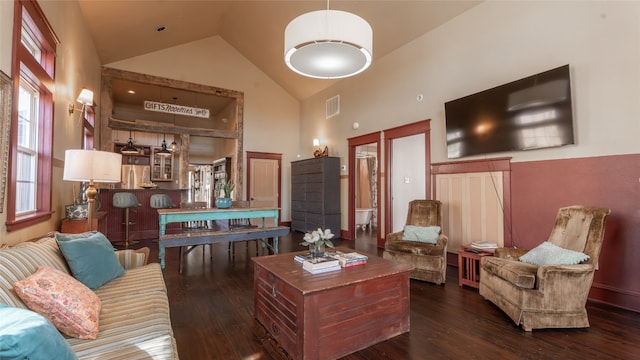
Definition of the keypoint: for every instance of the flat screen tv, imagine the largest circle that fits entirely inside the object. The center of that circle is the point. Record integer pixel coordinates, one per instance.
(530, 113)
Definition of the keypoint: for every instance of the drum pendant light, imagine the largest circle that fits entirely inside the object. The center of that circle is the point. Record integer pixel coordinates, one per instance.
(328, 44)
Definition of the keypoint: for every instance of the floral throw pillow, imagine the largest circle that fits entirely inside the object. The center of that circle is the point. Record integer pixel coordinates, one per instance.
(71, 306)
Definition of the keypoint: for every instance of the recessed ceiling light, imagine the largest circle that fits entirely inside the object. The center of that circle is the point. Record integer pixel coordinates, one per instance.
(161, 28)
(131, 91)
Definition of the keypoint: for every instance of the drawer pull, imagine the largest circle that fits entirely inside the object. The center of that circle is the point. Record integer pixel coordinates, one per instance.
(273, 291)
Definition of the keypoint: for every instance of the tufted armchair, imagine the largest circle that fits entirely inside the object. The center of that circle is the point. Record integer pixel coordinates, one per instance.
(548, 296)
(429, 261)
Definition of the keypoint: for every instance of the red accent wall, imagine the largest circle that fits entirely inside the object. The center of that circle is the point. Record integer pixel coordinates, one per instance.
(539, 188)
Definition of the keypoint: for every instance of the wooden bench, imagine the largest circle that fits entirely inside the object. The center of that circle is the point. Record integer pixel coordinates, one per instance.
(193, 238)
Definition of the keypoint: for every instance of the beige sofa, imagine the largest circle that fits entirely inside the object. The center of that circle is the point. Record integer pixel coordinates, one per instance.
(134, 319)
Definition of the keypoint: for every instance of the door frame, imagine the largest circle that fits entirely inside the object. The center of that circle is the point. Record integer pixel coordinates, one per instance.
(420, 127)
(353, 143)
(268, 156)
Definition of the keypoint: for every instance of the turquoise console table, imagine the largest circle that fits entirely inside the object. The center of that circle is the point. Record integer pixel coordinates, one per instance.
(179, 215)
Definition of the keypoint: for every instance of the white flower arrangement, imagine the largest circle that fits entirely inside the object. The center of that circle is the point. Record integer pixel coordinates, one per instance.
(318, 237)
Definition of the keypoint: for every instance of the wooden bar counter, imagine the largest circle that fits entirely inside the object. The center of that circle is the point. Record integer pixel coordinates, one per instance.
(144, 219)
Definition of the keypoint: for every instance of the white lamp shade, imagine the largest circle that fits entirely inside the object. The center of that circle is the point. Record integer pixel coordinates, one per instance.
(85, 97)
(316, 142)
(328, 44)
(86, 165)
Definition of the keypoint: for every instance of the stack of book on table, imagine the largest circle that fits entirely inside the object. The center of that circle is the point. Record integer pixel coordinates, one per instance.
(321, 264)
(348, 259)
(484, 245)
(302, 257)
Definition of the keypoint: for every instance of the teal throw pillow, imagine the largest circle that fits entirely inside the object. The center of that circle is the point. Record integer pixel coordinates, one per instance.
(550, 254)
(427, 234)
(25, 334)
(90, 257)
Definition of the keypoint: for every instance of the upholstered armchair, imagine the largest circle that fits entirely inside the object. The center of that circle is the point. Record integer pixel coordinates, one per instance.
(548, 296)
(429, 260)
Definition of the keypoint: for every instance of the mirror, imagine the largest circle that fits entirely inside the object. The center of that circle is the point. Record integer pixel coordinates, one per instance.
(206, 121)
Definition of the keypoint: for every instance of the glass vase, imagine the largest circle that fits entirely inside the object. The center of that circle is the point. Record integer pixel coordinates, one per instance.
(316, 250)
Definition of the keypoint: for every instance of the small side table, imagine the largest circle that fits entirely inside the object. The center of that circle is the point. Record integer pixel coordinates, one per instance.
(469, 265)
(80, 225)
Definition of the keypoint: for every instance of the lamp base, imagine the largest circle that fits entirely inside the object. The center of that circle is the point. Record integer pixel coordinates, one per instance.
(91, 199)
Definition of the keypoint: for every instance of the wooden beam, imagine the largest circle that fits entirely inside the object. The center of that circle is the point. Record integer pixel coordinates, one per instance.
(156, 127)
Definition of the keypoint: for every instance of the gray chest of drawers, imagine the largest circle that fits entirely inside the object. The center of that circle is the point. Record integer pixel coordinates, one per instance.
(315, 194)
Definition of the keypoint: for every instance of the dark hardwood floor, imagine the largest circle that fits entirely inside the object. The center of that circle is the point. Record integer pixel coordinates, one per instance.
(212, 317)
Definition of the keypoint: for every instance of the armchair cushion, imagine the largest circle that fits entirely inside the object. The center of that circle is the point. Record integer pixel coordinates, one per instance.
(509, 253)
(427, 234)
(416, 247)
(549, 254)
(520, 274)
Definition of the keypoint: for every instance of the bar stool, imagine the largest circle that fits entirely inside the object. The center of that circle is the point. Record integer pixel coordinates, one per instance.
(126, 201)
(160, 201)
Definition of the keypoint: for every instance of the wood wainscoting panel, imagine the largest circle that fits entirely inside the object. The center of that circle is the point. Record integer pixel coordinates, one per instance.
(472, 207)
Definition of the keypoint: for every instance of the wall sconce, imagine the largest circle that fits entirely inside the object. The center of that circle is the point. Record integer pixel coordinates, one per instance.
(85, 98)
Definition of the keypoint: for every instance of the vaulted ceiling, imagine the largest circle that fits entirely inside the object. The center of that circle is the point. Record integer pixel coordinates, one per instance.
(123, 29)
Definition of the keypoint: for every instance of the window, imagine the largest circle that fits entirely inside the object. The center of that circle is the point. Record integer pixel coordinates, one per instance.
(31, 145)
(30, 45)
(26, 181)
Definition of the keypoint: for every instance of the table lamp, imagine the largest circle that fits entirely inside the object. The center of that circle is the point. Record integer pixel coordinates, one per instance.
(92, 166)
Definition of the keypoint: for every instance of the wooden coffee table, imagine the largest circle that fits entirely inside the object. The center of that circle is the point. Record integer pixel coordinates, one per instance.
(329, 315)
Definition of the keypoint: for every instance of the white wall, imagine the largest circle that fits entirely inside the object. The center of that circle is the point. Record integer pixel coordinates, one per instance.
(491, 44)
(77, 66)
(271, 116)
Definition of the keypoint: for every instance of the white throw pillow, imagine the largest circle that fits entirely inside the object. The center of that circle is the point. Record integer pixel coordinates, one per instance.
(550, 254)
(427, 234)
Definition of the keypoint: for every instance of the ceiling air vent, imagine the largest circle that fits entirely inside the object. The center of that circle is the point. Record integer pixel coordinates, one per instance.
(333, 106)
